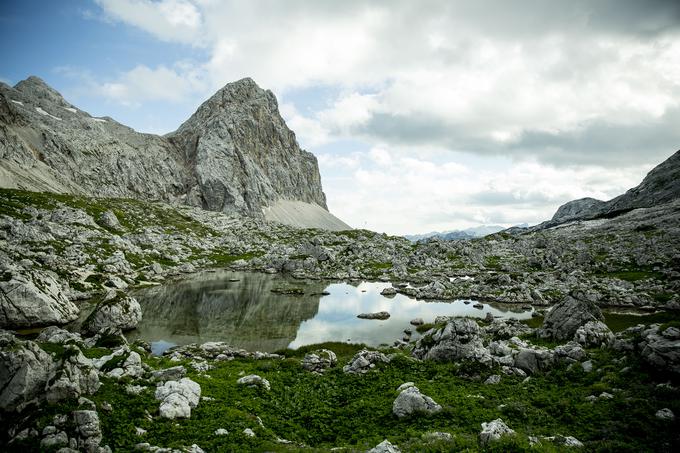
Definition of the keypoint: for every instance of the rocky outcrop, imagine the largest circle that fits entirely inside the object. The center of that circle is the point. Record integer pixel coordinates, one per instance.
(76, 376)
(576, 209)
(385, 447)
(235, 154)
(33, 298)
(565, 318)
(459, 339)
(594, 334)
(24, 371)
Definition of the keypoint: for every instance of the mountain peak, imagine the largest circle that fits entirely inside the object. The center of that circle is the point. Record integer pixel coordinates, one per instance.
(37, 87)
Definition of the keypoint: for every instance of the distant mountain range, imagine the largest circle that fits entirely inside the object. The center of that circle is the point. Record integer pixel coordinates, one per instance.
(456, 235)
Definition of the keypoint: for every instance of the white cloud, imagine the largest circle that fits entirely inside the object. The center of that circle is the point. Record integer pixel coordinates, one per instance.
(412, 195)
(170, 20)
(142, 83)
(561, 99)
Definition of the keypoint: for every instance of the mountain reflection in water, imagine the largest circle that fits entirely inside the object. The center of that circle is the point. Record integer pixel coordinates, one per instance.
(240, 308)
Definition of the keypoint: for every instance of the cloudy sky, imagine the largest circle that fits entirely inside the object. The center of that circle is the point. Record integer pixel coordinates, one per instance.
(424, 115)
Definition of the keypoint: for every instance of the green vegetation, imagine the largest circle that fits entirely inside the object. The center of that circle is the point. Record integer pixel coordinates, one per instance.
(634, 276)
(534, 322)
(621, 321)
(355, 411)
(492, 262)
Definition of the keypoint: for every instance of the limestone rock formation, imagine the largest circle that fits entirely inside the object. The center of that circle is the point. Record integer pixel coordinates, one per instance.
(178, 398)
(493, 431)
(234, 155)
(565, 318)
(32, 299)
(116, 311)
(459, 339)
(410, 401)
(24, 371)
(576, 209)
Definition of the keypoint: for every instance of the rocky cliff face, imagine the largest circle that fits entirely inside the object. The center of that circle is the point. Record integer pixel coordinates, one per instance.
(235, 154)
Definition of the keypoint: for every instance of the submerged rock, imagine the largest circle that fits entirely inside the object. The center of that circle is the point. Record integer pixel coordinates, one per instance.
(378, 315)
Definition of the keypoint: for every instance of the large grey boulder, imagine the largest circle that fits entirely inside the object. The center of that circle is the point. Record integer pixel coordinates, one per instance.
(25, 369)
(661, 348)
(531, 360)
(116, 311)
(565, 318)
(459, 339)
(54, 334)
(109, 220)
(410, 401)
(594, 334)
(120, 364)
(33, 298)
(577, 209)
(178, 398)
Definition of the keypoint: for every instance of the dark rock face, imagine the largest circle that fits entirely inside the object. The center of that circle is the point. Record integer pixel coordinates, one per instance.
(661, 185)
(235, 154)
(565, 318)
(576, 209)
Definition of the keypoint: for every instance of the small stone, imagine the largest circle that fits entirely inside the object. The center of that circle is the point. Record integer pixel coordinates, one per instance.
(389, 292)
(381, 315)
(221, 432)
(417, 322)
(493, 380)
(384, 447)
(253, 380)
(665, 414)
(249, 432)
(493, 431)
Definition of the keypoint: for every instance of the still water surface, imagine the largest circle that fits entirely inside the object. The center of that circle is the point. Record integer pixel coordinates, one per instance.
(241, 309)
